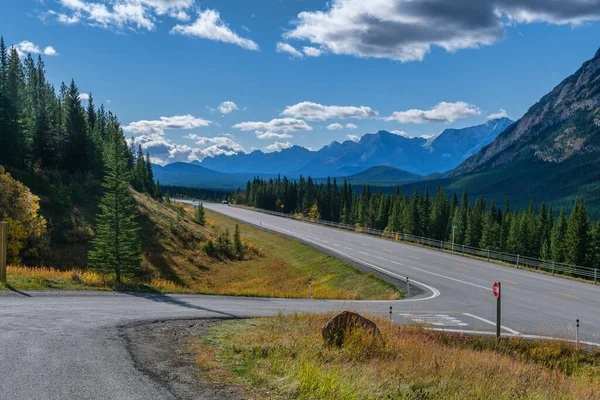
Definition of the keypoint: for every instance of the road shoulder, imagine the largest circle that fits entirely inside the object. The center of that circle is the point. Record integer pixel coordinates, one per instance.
(159, 350)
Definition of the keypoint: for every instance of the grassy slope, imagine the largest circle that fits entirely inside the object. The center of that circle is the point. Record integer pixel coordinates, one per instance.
(174, 261)
(284, 357)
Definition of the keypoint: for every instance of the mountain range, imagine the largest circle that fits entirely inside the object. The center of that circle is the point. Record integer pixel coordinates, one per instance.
(415, 155)
(404, 158)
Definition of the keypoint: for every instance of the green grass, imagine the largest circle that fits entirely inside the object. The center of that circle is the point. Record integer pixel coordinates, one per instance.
(285, 358)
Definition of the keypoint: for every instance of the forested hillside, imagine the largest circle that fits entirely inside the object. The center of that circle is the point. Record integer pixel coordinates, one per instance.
(56, 147)
(533, 232)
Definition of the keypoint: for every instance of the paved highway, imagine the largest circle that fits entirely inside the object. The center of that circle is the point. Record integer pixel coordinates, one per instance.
(66, 345)
(457, 290)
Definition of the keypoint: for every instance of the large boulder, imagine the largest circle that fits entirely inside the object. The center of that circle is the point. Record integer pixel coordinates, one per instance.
(336, 329)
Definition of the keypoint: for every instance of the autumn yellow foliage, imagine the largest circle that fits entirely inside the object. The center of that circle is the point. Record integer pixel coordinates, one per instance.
(19, 207)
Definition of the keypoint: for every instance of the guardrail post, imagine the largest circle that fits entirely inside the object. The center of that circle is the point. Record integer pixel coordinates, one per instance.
(463, 251)
(422, 241)
(442, 245)
(488, 255)
(595, 275)
(552, 268)
(407, 286)
(3, 250)
(518, 260)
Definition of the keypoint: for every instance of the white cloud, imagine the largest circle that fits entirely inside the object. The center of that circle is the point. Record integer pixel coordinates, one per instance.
(311, 51)
(227, 106)
(318, 112)
(50, 51)
(405, 30)
(210, 26)
(442, 113)
(219, 141)
(335, 127)
(278, 146)
(284, 125)
(163, 151)
(84, 96)
(500, 114)
(159, 126)
(354, 138)
(272, 135)
(108, 101)
(26, 47)
(119, 14)
(180, 15)
(351, 126)
(286, 48)
(400, 133)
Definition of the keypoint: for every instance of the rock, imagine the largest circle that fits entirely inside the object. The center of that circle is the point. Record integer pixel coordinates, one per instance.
(336, 329)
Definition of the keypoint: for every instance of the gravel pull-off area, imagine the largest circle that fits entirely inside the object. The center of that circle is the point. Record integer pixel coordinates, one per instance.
(159, 350)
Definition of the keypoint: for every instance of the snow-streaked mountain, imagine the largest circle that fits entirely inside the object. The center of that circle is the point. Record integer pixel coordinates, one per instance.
(416, 155)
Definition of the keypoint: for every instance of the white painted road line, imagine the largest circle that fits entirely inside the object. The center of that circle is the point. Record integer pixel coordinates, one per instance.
(452, 279)
(487, 321)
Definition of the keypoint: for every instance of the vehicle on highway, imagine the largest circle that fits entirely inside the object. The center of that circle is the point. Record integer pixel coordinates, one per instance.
(224, 202)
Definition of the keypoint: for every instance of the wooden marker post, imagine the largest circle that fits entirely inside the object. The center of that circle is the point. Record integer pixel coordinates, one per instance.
(3, 250)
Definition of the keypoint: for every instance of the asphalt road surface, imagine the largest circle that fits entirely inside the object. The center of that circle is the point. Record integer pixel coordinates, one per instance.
(67, 345)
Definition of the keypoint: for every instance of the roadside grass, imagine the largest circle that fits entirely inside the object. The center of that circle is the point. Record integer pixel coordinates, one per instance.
(285, 357)
(284, 268)
(34, 278)
(174, 261)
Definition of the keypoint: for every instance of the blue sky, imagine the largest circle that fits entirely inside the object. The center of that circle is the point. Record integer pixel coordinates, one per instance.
(303, 72)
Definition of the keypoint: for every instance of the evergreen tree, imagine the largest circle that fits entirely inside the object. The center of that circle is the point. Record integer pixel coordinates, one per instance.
(116, 247)
(577, 237)
(594, 249)
(200, 214)
(76, 146)
(238, 247)
(558, 237)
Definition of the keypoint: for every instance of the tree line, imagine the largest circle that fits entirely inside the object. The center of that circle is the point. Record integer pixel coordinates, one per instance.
(64, 148)
(534, 232)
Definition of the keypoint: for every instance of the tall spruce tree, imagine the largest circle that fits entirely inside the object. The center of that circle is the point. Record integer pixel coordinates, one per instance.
(200, 214)
(76, 146)
(116, 247)
(577, 238)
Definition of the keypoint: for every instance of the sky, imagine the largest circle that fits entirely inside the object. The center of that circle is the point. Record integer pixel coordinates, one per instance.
(190, 79)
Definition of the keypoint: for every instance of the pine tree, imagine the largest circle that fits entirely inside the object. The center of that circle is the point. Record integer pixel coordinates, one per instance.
(238, 246)
(116, 247)
(91, 113)
(76, 147)
(594, 250)
(200, 214)
(557, 238)
(577, 237)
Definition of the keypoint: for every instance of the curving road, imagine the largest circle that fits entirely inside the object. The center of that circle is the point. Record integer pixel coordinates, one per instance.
(67, 345)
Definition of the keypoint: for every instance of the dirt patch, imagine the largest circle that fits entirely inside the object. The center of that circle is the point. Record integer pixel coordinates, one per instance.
(159, 350)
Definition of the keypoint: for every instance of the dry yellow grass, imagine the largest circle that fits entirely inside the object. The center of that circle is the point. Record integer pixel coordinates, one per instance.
(286, 357)
(29, 278)
(279, 267)
(175, 261)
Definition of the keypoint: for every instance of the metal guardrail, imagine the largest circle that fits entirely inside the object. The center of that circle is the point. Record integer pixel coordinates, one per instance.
(552, 267)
